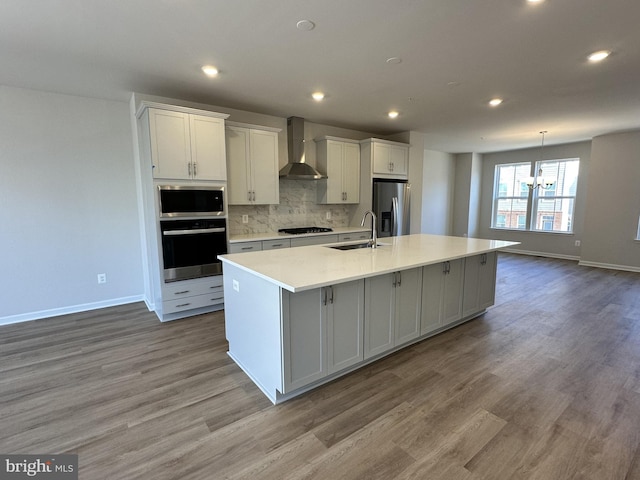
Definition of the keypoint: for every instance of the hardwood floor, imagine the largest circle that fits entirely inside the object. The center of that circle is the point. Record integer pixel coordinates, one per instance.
(545, 385)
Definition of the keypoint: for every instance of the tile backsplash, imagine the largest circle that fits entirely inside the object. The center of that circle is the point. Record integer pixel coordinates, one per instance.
(297, 208)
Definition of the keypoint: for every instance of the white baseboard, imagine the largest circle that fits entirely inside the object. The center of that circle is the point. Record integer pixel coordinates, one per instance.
(542, 254)
(55, 312)
(610, 266)
(582, 263)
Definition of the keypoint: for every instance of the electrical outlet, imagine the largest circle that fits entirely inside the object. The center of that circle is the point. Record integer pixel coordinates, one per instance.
(102, 278)
(328, 215)
(245, 218)
(577, 243)
(236, 285)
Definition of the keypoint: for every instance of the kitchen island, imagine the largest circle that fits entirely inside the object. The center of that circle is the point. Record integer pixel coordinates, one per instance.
(297, 318)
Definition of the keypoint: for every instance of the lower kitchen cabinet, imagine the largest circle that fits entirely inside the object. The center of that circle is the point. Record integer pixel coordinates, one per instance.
(392, 310)
(479, 283)
(441, 294)
(322, 332)
(190, 294)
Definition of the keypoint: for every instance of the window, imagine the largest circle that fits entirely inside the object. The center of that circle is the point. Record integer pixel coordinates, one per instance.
(550, 209)
(553, 207)
(510, 203)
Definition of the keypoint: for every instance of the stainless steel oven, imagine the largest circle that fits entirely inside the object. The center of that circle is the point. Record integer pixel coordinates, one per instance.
(190, 248)
(191, 201)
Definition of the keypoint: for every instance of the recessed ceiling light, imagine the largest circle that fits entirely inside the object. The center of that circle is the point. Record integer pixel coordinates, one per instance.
(599, 56)
(494, 102)
(394, 60)
(318, 96)
(393, 114)
(210, 70)
(535, 1)
(305, 25)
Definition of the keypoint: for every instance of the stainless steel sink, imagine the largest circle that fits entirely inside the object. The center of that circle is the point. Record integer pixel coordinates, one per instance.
(354, 246)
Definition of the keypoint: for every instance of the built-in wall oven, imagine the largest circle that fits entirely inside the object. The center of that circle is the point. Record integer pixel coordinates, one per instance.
(190, 246)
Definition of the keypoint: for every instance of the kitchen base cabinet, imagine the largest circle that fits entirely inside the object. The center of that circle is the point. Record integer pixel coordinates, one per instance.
(187, 295)
(479, 283)
(322, 332)
(392, 310)
(441, 294)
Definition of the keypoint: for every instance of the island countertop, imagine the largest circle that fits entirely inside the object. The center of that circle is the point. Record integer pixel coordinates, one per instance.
(304, 268)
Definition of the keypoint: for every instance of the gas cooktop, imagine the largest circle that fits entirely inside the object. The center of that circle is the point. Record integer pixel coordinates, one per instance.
(302, 230)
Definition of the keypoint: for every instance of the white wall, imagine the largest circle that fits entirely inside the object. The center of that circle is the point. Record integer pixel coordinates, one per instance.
(438, 182)
(613, 203)
(68, 207)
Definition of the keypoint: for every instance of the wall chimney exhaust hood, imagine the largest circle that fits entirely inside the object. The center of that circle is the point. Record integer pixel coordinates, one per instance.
(297, 169)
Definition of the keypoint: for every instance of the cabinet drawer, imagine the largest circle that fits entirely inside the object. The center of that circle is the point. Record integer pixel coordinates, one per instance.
(316, 240)
(348, 237)
(190, 288)
(275, 244)
(245, 247)
(189, 303)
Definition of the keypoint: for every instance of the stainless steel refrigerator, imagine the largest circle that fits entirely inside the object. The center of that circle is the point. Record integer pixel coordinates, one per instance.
(391, 206)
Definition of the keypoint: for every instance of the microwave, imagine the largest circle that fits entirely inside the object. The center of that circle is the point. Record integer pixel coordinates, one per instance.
(190, 201)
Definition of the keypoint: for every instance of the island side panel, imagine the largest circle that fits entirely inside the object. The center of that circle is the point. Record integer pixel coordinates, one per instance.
(252, 324)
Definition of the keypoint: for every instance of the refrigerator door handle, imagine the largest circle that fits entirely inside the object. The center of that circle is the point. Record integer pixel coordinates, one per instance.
(394, 216)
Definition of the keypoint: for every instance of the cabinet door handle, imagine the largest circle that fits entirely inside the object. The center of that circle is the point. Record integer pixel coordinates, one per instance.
(331, 298)
(399, 278)
(189, 168)
(324, 292)
(395, 279)
(195, 169)
(249, 195)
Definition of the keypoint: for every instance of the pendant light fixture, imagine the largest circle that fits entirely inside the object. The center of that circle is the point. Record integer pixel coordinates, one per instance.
(539, 181)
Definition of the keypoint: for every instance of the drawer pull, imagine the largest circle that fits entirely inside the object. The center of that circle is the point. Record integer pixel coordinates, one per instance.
(181, 293)
(247, 248)
(183, 305)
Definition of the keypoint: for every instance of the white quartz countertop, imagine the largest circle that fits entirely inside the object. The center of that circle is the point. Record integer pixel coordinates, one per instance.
(304, 268)
(256, 237)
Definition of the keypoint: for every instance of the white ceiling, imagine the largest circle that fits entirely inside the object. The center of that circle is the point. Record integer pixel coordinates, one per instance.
(456, 55)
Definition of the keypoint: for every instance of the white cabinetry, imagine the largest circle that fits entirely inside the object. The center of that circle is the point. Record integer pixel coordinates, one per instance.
(189, 294)
(479, 283)
(322, 332)
(387, 159)
(252, 162)
(441, 294)
(186, 146)
(315, 240)
(392, 310)
(241, 247)
(340, 159)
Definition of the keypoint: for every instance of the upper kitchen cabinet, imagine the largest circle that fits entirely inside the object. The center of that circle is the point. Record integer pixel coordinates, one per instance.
(340, 159)
(387, 159)
(187, 146)
(252, 162)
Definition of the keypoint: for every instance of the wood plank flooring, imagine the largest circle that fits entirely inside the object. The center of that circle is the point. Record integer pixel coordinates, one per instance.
(545, 385)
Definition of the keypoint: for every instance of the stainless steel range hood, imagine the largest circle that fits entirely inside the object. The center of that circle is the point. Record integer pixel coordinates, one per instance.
(297, 169)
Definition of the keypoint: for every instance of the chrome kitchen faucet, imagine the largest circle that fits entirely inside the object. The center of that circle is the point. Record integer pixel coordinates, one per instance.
(373, 243)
